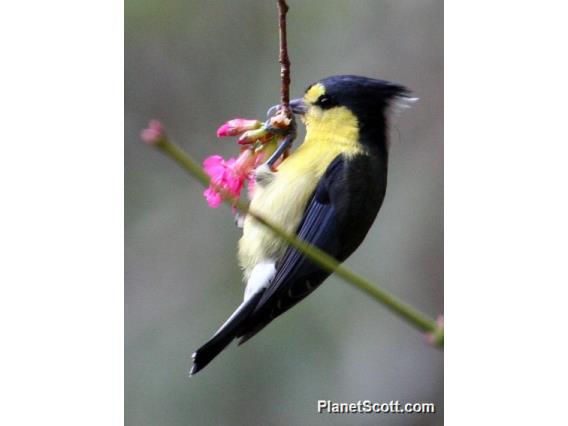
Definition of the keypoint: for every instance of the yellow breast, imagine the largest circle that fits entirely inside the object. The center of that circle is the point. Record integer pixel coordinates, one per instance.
(284, 198)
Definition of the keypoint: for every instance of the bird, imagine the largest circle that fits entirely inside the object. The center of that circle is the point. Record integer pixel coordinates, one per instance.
(328, 193)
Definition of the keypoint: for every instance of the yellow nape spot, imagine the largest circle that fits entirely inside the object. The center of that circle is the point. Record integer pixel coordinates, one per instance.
(314, 93)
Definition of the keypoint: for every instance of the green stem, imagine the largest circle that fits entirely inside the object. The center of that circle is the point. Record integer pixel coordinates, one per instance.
(318, 256)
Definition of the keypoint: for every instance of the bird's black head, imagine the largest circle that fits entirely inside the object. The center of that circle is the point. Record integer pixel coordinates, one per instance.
(345, 101)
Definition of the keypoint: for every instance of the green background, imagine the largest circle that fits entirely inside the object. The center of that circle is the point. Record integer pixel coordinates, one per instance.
(195, 64)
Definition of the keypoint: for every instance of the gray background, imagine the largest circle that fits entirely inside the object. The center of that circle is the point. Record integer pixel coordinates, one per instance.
(195, 64)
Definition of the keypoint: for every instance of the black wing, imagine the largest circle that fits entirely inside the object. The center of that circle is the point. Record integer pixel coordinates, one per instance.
(336, 220)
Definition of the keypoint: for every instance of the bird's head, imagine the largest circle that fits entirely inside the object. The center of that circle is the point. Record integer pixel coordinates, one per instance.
(344, 102)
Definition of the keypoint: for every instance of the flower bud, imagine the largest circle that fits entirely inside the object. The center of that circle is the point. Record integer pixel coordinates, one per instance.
(154, 133)
(252, 136)
(237, 126)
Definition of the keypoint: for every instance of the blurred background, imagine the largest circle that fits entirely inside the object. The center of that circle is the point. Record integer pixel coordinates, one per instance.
(195, 64)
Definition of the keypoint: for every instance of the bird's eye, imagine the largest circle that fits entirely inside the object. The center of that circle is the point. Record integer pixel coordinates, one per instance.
(325, 101)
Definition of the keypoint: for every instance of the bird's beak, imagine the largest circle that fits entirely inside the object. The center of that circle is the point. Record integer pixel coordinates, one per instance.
(298, 106)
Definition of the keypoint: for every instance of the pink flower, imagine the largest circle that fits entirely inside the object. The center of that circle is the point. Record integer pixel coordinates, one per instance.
(154, 133)
(214, 166)
(230, 175)
(237, 126)
(245, 163)
(213, 198)
(223, 176)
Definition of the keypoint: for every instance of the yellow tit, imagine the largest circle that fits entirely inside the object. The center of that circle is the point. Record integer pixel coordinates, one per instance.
(328, 192)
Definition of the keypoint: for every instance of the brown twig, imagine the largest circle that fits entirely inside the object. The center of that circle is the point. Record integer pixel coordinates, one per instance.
(284, 60)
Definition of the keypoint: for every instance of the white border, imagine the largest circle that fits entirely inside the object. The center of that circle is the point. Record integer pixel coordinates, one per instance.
(506, 158)
(61, 101)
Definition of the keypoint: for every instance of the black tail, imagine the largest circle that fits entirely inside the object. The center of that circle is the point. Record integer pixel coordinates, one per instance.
(225, 335)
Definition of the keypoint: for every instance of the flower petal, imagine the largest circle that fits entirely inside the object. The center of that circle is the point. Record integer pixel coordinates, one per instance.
(245, 163)
(213, 198)
(214, 166)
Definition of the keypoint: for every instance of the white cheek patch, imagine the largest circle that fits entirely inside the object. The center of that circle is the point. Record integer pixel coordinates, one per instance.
(260, 277)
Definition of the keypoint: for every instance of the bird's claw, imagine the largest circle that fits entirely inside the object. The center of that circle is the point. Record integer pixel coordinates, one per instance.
(273, 110)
